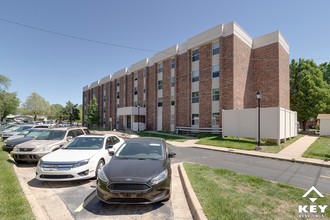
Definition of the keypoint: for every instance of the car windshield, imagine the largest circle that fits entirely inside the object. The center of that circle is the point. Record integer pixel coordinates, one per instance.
(34, 133)
(85, 143)
(139, 150)
(24, 127)
(51, 135)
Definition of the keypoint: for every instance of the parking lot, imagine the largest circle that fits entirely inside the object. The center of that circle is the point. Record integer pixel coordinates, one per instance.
(77, 200)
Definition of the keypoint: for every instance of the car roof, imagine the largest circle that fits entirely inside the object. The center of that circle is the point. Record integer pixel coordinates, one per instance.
(67, 128)
(97, 135)
(145, 140)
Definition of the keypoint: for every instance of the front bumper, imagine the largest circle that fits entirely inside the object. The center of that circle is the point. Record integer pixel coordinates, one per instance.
(155, 193)
(27, 156)
(59, 174)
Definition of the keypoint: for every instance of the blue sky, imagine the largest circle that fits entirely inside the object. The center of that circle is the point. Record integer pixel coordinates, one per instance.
(58, 67)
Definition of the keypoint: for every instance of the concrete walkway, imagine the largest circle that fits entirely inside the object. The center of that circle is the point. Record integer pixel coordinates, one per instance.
(296, 149)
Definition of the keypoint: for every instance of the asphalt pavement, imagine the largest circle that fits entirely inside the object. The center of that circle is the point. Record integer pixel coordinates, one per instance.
(185, 205)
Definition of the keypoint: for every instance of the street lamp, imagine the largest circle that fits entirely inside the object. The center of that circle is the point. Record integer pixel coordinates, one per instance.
(258, 94)
(138, 106)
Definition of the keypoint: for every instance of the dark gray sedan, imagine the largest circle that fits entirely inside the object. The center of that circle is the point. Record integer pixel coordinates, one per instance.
(139, 172)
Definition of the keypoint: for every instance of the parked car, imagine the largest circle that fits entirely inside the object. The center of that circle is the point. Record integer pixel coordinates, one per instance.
(82, 158)
(139, 172)
(48, 141)
(19, 129)
(22, 137)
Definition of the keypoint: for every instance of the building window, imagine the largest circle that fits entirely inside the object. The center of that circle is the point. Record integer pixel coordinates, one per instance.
(159, 68)
(195, 55)
(135, 91)
(215, 117)
(195, 97)
(135, 103)
(160, 102)
(160, 84)
(195, 75)
(215, 48)
(144, 88)
(195, 119)
(118, 84)
(173, 63)
(135, 76)
(215, 71)
(215, 95)
(172, 81)
(117, 95)
(172, 100)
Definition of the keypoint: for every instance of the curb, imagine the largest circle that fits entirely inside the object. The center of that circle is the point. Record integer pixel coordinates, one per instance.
(294, 160)
(37, 211)
(193, 203)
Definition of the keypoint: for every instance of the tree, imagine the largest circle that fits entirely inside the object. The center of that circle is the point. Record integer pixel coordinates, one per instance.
(92, 114)
(55, 112)
(4, 82)
(71, 112)
(325, 67)
(35, 105)
(310, 94)
(8, 101)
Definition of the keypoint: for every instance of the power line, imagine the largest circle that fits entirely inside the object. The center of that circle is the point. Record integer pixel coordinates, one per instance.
(77, 37)
(119, 45)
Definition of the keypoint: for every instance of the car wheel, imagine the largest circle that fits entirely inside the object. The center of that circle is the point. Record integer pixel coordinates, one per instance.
(99, 166)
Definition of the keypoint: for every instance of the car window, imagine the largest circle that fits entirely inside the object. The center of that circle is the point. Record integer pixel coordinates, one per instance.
(71, 133)
(109, 141)
(51, 135)
(115, 139)
(86, 131)
(134, 150)
(34, 133)
(85, 143)
(79, 132)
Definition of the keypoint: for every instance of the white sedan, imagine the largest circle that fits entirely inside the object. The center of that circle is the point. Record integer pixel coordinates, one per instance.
(81, 158)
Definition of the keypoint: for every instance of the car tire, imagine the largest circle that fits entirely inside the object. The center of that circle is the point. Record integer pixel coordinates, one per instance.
(100, 164)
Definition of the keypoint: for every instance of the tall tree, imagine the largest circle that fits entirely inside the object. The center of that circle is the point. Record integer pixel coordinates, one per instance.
(55, 112)
(92, 114)
(8, 101)
(71, 112)
(35, 105)
(309, 91)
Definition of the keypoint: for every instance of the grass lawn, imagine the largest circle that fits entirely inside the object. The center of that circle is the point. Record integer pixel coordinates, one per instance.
(13, 202)
(167, 137)
(320, 149)
(242, 143)
(224, 194)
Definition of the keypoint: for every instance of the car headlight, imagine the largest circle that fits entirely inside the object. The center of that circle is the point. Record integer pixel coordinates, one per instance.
(40, 163)
(80, 163)
(15, 149)
(101, 176)
(41, 149)
(161, 177)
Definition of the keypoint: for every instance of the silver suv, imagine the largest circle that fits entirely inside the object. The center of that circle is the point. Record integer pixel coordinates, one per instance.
(48, 141)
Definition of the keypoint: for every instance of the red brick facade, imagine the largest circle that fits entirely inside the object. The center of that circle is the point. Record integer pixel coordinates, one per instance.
(244, 69)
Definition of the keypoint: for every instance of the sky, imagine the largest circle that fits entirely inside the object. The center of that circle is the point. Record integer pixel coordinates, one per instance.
(55, 48)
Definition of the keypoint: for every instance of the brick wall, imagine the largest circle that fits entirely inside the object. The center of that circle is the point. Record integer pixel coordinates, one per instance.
(266, 75)
(122, 92)
(129, 89)
(284, 79)
(205, 86)
(140, 87)
(113, 101)
(166, 120)
(151, 102)
(183, 85)
(227, 72)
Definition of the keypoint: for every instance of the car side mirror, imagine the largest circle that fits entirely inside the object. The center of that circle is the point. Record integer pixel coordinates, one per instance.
(171, 154)
(69, 138)
(109, 146)
(111, 152)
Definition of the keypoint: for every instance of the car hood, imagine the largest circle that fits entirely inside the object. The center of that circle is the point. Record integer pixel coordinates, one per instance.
(40, 143)
(137, 170)
(64, 155)
(15, 137)
(18, 140)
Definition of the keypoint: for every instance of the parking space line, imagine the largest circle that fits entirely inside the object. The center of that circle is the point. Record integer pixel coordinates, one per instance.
(82, 205)
(327, 177)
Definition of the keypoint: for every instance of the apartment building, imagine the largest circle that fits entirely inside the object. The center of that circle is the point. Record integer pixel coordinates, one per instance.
(188, 85)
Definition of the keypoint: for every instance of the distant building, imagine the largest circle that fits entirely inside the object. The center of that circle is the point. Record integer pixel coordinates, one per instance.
(189, 84)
